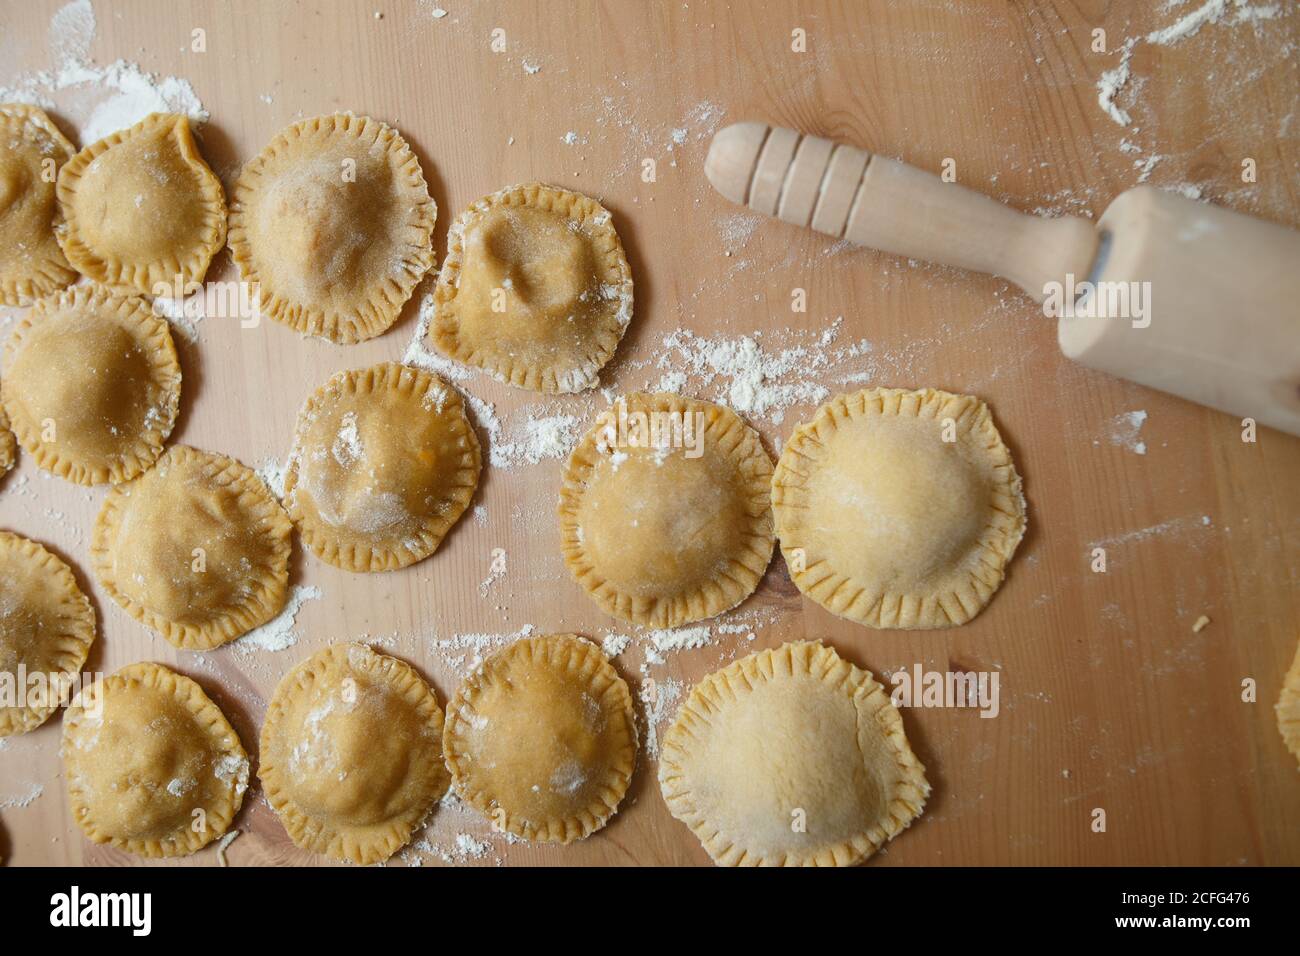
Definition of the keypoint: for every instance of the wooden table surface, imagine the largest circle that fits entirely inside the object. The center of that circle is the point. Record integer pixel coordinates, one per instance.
(1108, 698)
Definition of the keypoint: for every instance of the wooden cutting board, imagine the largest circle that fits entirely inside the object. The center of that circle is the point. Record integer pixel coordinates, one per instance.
(1109, 699)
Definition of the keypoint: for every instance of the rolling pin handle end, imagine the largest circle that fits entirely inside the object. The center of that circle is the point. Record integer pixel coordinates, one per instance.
(733, 157)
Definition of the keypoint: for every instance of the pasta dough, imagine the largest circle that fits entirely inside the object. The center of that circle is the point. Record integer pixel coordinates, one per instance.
(541, 739)
(384, 463)
(791, 757)
(351, 755)
(535, 289)
(898, 509)
(31, 152)
(46, 628)
(142, 212)
(1288, 707)
(92, 385)
(665, 514)
(196, 548)
(8, 445)
(332, 224)
(153, 766)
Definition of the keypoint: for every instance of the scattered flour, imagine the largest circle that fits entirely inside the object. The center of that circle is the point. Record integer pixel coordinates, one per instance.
(418, 354)
(464, 840)
(735, 229)
(273, 471)
(114, 96)
(473, 647)
(1144, 166)
(1186, 190)
(496, 572)
(614, 644)
(537, 439)
(18, 801)
(1173, 528)
(1125, 430)
(468, 846)
(749, 378)
(617, 111)
(681, 638)
(278, 634)
(1112, 82)
(347, 448)
(656, 644)
(72, 28)
(657, 703)
(184, 315)
(1232, 12)
(1213, 11)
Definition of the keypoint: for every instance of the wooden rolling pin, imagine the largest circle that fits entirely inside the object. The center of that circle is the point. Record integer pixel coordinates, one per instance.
(1220, 291)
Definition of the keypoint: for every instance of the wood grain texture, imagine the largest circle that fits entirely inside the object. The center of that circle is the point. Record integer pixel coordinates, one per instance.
(1108, 699)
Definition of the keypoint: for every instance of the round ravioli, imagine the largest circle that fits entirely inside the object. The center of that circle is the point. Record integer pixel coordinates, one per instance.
(153, 766)
(541, 739)
(665, 515)
(351, 755)
(92, 385)
(197, 548)
(384, 462)
(899, 509)
(332, 224)
(791, 757)
(8, 445)
(1288, 707)
(46, 629)
(142, 212)
(535, 289)
(32, 150)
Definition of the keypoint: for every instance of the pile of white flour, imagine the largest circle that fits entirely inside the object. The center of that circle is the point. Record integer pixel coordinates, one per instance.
(1114, 81)
(101, 99)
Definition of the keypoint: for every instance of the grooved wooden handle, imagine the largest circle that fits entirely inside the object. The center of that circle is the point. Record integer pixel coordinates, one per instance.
(879, 202)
